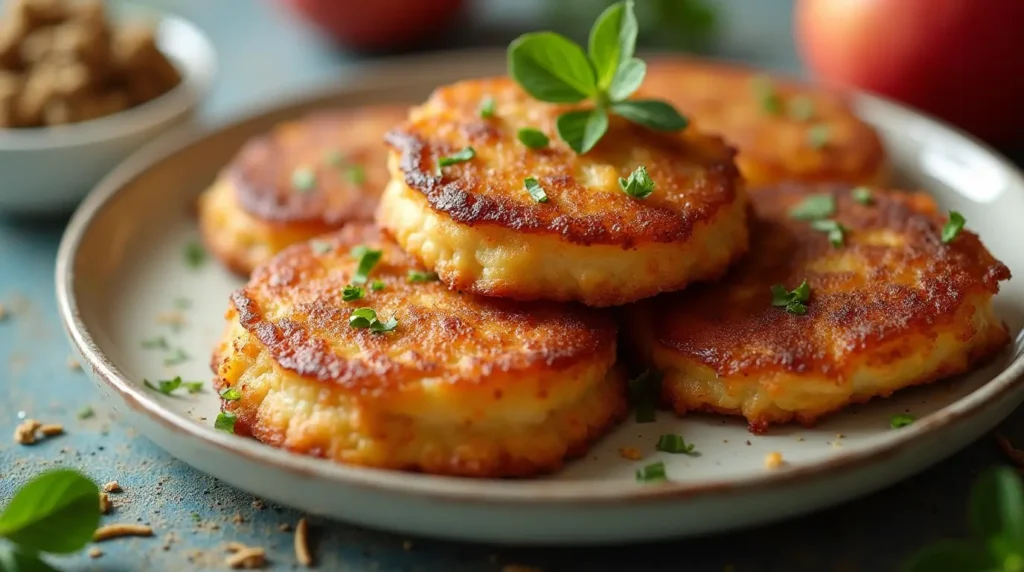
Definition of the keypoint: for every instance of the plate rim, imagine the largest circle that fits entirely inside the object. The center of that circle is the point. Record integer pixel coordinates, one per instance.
(403, 71)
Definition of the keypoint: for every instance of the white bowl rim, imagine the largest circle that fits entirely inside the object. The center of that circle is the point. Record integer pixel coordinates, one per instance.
(197, 78)
(443, 488)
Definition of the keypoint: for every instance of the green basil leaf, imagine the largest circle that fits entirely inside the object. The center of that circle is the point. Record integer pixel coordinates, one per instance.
(551, 68)
(612, 41)
(55, 512)
(13, 559)
(997, 506)
(950, 556)
(657, 115)
(628, 79)
(582, 129)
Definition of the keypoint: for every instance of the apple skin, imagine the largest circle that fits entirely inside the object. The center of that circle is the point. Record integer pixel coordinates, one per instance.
(377, 24)
(959, 60)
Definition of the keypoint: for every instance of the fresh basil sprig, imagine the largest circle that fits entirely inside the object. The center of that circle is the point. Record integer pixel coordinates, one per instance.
(996, 522)
(554, 69)
(56, 512)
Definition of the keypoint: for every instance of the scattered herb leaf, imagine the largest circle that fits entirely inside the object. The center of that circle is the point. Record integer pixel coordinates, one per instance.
(836, 232)
(225, 422)
(368, 258)
(644, 392)
(536, 191)
(195, 254)
(350, 293)
(86, 412)
(367, 318)
(532, 138)
(193, 386)
(652, 473)
(767, 96)
(303, 179)
(953, 226)
(487, 107)
(901, 420)
(674, 444)
(639, 185)
(814, 207)
(460, 157)
(862, 195)
(320, 246)
(178, 357)
(794, 301)
(230, 394)
(377, 285)
(419, 276)
(157, 343)
(168, 386)
(355, 174)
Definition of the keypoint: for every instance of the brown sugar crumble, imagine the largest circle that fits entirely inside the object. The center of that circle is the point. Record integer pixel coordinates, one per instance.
(773, 460)
(284, 527)
(247, 557)
(302, 553)
(74, 364)
(258, 504)
(112, 487)
(51, 429)
(25, 433)
(121, 530)
(105, 504)
(631, 453)
(95, 552)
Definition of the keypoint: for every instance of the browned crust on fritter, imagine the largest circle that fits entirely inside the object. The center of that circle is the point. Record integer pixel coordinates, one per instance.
(435, 324)
(262, 170)
(720, 99)
(719, 325)
(694, 174)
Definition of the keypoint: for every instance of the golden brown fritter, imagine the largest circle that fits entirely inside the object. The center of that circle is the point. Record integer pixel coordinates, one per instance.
(783, 130)
(892, 306)
(304, 178)
(475, 224)
(462, 386)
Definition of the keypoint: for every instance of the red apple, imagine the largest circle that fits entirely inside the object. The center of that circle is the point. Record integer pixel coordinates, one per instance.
(960, 60)
(377, 24)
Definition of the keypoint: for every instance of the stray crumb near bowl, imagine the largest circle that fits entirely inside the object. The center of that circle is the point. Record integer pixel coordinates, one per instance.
(65, 61)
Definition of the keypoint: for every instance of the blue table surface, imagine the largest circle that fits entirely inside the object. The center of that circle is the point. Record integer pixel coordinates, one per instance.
(265, 55)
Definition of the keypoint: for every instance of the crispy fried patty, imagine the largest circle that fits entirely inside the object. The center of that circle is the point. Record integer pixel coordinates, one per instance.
(475, 224)
(891, 307)
(304, 178)
(463, 385)
(784, 130)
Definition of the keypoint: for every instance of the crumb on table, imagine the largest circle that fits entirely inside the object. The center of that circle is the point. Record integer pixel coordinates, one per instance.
(112, 487)
(302, 553)
(25, 432)
(631, 453)
(120, 530)
(773, 460)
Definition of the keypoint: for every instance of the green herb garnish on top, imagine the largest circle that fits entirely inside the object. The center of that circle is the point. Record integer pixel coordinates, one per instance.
(794, 301)
(953, 226)
(167, 386)
(814, 207)
(554, 69)
(639, 185)
(368, 258)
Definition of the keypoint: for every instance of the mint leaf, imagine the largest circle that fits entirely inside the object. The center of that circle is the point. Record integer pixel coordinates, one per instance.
(950, 556)
(55, 512)
(639, 185)
(612, 41)
(532, 138)
(628, 79)
(581, 130)
(997, 507)
(651, 113)
(551, 68)
(12, 559)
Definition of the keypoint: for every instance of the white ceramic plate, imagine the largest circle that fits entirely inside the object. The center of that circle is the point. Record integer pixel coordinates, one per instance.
(120, 265)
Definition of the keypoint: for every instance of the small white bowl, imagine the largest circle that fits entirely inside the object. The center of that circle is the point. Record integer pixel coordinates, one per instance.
(49, 169)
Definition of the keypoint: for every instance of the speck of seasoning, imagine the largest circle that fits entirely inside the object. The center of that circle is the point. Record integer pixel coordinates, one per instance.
(95, 552)
(195, 254)
(631, 453)
(258, 504)
(284, 527)
(73, 364)
(176, 320)
(862, 195)
(303, 179)
(773, 460)
(238, 518)
(112, 487)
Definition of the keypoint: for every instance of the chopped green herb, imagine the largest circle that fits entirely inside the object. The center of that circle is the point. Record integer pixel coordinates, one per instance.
(377, 285)
(334, 158)
(644, 391)
(764, 91)
(639, 184)
(862, 195)
(350, 293)
(487, 107)
(368, 258)
(355, 174)
(652, 473)
(833, 228)
(419, 276)
(195, 255)
(166, 386)
(818, 136)
(320, 246)
(367, 318)
(801, 108)
(86, 412)
(901, 420)
(176, 358)
(230, 394)
(674, 444)
(303, 179)
(225, 422)
(182, 303)
(536, 191)
(795, 301)
(814, 207)
(953, 226)
(532, 138)
(158, 343)
(193, 386)
(196, 517)
(461, 157)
